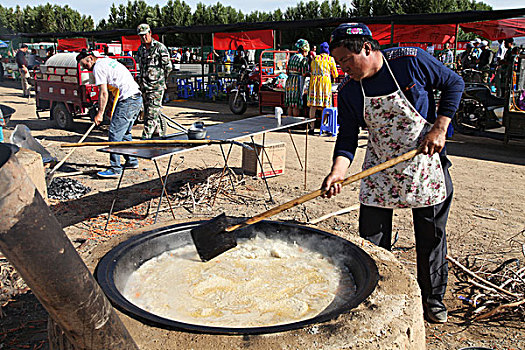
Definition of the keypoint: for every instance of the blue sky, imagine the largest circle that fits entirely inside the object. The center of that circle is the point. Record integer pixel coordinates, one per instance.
(99, 9)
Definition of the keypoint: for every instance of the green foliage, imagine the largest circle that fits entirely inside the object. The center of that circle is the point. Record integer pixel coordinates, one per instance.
(56, 18)
(43, 19)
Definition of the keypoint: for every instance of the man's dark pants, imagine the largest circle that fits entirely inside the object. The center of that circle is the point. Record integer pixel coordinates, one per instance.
(122, 121)
(375, 225)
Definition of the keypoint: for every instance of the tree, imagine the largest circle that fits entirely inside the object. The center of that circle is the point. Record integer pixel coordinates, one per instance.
(55, 18)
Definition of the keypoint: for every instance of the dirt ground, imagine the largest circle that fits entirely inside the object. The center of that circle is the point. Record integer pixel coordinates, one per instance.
(486, 223)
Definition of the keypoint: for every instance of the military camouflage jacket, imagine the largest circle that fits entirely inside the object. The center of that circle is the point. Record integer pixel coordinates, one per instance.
(155, 66)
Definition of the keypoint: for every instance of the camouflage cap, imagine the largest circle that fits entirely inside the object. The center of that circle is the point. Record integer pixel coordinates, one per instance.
(143, 29)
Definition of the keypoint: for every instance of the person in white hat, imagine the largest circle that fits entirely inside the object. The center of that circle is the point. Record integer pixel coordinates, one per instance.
(485, 59)
(477, 48)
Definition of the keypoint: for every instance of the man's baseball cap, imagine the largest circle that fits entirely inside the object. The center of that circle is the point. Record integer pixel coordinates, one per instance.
(350, 30)
(477, 41)
(143, 29)
(484, 42)
(23, 46)
(83, 54)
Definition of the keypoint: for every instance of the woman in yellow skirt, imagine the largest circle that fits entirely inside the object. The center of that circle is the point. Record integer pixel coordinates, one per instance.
(322, 70)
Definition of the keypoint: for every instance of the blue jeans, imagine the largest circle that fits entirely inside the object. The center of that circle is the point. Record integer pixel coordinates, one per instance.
(122, 121)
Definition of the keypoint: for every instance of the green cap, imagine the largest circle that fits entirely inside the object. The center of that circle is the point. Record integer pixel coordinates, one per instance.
(143, 29)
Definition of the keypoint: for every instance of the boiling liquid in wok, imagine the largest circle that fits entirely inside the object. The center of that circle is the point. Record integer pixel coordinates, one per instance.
(261, 282)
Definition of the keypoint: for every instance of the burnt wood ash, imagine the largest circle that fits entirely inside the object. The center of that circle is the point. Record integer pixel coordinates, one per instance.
(65, 189)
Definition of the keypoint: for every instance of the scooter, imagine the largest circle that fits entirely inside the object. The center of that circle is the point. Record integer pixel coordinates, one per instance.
(479, 110)
(244, 91)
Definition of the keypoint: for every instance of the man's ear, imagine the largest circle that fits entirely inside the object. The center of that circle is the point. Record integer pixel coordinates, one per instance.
(367, 48)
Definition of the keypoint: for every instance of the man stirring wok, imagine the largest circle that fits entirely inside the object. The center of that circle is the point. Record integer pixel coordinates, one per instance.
(390, 93)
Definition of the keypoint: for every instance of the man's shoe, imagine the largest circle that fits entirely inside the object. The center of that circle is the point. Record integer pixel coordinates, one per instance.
(131, 166)
(436, 311)
(110, 173)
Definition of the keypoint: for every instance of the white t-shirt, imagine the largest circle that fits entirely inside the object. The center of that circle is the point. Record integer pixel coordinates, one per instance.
(116, 75)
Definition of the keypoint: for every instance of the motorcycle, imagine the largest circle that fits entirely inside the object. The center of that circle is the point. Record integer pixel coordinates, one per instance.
(244, 91)
(479, 110)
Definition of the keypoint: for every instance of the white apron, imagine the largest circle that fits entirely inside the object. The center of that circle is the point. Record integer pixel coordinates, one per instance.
(396, 127)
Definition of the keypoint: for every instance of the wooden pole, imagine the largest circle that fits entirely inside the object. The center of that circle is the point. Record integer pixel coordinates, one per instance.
(33, 241)
(146, 143)
(203, 62)
(318, 193)
(456, 44)
(392, 33)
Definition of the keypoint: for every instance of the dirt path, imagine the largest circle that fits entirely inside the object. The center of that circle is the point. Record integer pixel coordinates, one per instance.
(487, 210)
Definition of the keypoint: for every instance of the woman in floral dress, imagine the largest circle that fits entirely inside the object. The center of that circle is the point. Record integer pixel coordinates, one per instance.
(297, 69)
(322, 71)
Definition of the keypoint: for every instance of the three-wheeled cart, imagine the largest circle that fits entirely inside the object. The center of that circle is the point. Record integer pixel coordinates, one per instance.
(68, 91)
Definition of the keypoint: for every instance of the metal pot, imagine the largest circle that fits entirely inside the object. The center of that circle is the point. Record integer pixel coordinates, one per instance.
(114, 269)
(197, 131)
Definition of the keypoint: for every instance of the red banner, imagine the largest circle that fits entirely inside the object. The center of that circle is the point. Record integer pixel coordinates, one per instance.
(405, 33)
(132, 42)
(255, 39)
(498, 29)
(72, 44)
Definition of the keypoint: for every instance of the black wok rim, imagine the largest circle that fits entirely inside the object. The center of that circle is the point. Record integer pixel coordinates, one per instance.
(106, 266)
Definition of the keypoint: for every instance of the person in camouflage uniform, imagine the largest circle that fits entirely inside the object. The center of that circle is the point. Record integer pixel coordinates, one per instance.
(155, 66)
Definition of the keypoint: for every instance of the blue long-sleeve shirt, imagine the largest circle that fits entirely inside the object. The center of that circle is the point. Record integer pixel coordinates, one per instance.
(417, 74)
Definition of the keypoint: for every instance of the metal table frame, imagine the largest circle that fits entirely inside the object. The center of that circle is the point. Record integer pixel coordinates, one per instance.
(225, 131)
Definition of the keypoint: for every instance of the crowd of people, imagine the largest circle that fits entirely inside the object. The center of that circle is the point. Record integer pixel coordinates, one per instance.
(479, 63)
(321, 71)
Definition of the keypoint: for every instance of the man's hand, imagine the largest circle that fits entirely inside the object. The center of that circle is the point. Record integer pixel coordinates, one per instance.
(99, 118)
(436, 137)
(337, 173)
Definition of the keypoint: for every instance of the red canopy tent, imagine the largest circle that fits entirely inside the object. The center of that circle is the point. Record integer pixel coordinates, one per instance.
(72, 44)
(497, 29)
(132, 42)
(435, 33)
(254, 39)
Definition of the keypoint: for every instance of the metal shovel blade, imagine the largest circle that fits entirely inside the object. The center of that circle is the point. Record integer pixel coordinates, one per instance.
(211, 238)
(22, 138)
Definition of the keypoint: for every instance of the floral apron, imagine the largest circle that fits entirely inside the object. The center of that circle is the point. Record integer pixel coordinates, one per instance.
(394, 128)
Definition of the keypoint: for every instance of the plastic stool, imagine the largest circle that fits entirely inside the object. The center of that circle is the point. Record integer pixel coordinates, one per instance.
(199, 84)
(213, 90)
(329, 121)
(188, 90)
(450, 130)
(181, 84)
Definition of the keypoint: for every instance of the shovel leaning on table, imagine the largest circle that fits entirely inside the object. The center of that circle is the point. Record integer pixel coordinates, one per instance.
(215, 236)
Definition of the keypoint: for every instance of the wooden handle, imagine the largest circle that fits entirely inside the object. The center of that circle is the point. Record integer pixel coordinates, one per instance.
(142, 142)
(71, 152)
(317, 193)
